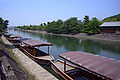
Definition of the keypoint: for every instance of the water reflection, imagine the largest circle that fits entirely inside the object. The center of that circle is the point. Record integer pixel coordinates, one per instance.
(63, 44)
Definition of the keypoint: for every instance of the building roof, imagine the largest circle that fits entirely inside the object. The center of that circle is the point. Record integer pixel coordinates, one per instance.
(108, 24)
(99, 65)
(34, 43)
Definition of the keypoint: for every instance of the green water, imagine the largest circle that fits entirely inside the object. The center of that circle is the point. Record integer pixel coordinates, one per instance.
(64, 44)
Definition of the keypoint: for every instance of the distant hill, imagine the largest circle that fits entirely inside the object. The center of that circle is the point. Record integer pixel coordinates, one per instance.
(112, 18)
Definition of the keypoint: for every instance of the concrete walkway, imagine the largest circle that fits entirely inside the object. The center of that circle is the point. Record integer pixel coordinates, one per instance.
(36, 70)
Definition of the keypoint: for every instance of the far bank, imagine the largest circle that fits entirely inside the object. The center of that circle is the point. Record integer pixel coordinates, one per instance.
(106, 37)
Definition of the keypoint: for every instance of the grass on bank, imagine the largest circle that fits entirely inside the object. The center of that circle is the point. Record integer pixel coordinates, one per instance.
(15, 58)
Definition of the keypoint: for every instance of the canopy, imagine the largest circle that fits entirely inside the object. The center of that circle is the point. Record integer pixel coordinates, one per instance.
(15, 36)
(100, 65)
(34, 43)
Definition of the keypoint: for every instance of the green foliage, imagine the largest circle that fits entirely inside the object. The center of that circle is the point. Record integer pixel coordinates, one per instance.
(93, 26)
(55, 26)
(112, 18)
(69, 26)
(3, 25)
(86, 19)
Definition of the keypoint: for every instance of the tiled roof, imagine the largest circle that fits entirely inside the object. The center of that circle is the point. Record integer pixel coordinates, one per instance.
(107, 24)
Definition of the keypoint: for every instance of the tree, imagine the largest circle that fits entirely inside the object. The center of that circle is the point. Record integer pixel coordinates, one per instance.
(93, 26)
(3, 25)
(85, 23)
(71, 26)
(44, 24)
(1, 21)
(86, 19)
(54, 26)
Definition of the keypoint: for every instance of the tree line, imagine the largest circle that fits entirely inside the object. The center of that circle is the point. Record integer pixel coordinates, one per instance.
(3, 25)
(69, 26)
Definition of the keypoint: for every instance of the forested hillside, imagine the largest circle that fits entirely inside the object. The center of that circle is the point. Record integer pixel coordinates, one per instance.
(112, 18)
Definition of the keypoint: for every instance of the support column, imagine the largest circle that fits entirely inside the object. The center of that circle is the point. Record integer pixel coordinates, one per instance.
(64, 65)
(48, 49)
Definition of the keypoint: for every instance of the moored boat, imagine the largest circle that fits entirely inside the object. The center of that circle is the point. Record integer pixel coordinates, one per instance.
(14, 39)
(90, 66)
(7, 35)
(29, 47)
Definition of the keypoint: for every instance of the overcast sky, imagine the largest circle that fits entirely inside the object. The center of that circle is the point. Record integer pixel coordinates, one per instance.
(34, 12)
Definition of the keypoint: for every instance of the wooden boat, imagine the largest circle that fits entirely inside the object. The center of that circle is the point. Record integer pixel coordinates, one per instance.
(29, 48)
(7, 35)
(14, 39)
(90, 66)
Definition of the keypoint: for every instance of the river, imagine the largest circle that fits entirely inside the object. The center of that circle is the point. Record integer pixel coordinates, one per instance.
(63, 44)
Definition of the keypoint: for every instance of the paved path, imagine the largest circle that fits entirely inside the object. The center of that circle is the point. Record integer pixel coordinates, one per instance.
(36, 70)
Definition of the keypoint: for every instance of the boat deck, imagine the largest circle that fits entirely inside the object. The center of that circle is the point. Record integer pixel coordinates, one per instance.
(61, 66)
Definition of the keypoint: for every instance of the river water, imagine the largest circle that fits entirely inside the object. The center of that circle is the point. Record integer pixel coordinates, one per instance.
(64, 44)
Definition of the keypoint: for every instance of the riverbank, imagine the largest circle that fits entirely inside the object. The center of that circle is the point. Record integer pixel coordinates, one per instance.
(106, 37)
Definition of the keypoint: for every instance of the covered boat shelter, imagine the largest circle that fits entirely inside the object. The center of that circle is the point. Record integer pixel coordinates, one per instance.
(14, 40)
(29, 47)
(34, 43)
(98, 67)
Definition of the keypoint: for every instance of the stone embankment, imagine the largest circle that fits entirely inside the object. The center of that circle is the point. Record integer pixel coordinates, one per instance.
(9, 68)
